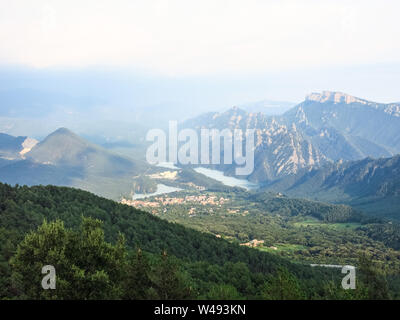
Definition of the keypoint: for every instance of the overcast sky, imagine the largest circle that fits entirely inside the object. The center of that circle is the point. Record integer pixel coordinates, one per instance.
(183, 38)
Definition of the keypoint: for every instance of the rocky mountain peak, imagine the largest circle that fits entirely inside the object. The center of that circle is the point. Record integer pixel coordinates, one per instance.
(335, 97)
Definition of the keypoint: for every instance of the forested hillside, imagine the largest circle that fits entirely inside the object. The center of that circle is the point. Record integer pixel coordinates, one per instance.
(372, 185)
(191, 264)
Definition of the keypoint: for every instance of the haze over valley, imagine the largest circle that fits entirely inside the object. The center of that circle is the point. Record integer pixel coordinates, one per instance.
(213, 150)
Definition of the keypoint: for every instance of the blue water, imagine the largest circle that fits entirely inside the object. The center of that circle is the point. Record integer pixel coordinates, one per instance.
(228, 181)
(161, 189)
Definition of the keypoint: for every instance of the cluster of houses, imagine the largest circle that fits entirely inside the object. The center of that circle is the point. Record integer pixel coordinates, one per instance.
(253, 243)
(158, 202)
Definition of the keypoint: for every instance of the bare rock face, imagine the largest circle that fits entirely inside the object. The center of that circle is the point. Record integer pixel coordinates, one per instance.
(334, 97)
(330, 97)
(345, 127)
(326, 127)
(14, 148)
(280, 149)
(27, 146)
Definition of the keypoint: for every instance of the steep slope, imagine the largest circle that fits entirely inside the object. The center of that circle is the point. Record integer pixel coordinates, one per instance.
(14, 148)
(368, 184)
(345, 127)
(23, 209)
(64, 148)
(63, 158)
(280, 149)
(326, 127)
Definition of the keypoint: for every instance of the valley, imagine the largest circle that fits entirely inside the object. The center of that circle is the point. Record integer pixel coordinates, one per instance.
(189, 153)
(304, 231)
(210, 264)
(316, 195)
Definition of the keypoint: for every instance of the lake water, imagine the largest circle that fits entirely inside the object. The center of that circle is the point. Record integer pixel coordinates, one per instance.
(161, 189)
(228, 181)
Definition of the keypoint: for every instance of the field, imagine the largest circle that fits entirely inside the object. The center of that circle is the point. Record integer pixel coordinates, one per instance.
(335, 226)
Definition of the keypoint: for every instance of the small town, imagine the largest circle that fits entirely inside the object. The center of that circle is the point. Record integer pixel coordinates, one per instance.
(158, 202)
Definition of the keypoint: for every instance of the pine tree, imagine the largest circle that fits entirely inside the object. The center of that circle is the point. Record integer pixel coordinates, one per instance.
(283, 286)
(170, 282)
(86, 266)
(373, 279)
(137, 281)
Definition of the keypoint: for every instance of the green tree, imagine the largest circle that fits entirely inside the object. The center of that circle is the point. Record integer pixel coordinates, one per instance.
(333, 291)
(86, 266)
(137, 282)
(373, 279)
(223, 292)
(283, 286)
(170, 282)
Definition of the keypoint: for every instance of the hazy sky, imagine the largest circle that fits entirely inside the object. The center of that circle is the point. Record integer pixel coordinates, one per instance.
(193, 37)
(185, 38)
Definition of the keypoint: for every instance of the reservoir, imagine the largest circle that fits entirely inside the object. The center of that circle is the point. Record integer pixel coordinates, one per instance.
(161, 189)
(228, 181)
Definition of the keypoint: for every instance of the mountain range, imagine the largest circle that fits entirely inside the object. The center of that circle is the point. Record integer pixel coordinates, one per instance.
(331, 147)
(372, 185)
(64, 158)
(280, 150)
(345, 127)
(326, 127)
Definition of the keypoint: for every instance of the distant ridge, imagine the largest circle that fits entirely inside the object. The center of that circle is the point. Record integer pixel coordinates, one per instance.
(335, 97)
(372, 185)
(14, 148)
(325, 128)
(345, 127)
(61, 147)
(64, 158)
(280, 149)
